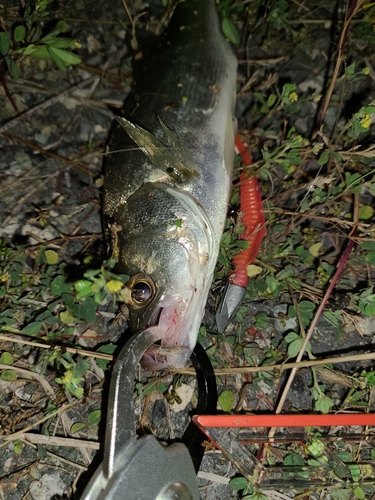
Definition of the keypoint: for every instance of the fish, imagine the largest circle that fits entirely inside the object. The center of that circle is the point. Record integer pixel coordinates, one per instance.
(168, 179)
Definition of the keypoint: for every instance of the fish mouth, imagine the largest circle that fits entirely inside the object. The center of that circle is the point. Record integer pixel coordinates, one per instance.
(173, 329)
(159, 357)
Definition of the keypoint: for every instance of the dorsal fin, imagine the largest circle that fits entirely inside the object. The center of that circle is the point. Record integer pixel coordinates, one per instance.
(176, 161)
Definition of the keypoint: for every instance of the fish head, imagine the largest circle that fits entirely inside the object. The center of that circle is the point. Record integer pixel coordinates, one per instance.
(165, 244)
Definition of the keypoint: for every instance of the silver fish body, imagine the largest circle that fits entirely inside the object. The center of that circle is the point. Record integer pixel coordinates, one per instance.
(165, 229)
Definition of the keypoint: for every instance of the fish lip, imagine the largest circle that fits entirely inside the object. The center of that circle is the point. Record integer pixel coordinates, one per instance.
(173, 325)
(155, 317)
(159, 357)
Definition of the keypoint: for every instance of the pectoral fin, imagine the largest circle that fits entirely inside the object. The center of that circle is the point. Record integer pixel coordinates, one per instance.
(176, 161)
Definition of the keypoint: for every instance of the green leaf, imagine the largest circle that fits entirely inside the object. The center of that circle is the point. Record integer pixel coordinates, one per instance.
(335, 317)
(51, 320)
(370, 309)
(271, 100)
(370, 377)
(94, 417)
(323, 404)
(29, 49)
(341, 494)
(86, 310)
(292, 336)
(352, 180)
(359, 493)
(230, 31)
(368, 245)
(345, 456)
(12, 68)
(68, 299)
(41, 53)
(6, 358)
(66, 317)
(340, 471)
(17, 444)
(355, 472)
(68, 58)
(226, 400)
(350, 70)
(262, 100)
(84, 288)
(78, 426)
(4, 43)
(64, 43)
(257, 496)
(19, 33)
(253, 270)
(365, 212)
(59, 286)
(370, 258)
(161, 387)
(32, 328)
(306, 307)
(371, 188)
(238, 483)
(42, 452)
(107, 348)
(82, 285)
(56, 59)
(44, 315)
(8, 375)
(52, 257)
(261, 320)
(62, 26)
(315, 249)
(294, 348)
(294, 459)
(315, 447)
(323, 158)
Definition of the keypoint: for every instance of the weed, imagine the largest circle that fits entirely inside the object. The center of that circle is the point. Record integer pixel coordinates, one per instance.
(39, 301)
(27, 37)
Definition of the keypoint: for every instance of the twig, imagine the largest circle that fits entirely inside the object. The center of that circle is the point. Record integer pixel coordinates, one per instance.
(104, 73)
(131, 20)
(82, 468)
(30, 193)
(43, 382)
(281, 367)
(99, 355)
(46, 104)
(59, 441)
(33, 145)
(18, 434)
(319, 312)
(214, 478)
(355, 6)
(355, 215)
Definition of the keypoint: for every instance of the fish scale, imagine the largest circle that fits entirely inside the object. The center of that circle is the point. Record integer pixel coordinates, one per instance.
(164, 229)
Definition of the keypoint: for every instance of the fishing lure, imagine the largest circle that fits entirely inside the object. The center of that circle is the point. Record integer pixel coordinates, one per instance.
(253, 219)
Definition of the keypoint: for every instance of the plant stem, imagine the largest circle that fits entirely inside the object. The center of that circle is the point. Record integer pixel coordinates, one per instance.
(319, 312)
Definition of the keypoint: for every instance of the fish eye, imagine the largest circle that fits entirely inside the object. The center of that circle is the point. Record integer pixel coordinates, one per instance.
(141, 292)
(143, 289)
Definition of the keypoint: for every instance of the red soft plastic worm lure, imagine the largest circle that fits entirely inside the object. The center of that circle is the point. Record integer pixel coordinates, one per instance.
(253, 219)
